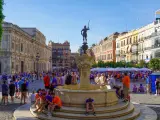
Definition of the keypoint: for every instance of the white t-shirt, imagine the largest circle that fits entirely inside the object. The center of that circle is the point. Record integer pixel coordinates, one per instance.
(112, 82)
(102, 80)
(63, 80)
(97, 79)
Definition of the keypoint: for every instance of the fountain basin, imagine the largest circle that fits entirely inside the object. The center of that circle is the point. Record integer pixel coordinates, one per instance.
(77, 98)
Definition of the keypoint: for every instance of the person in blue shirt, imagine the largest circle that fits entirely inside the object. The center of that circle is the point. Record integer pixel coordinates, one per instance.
(17, 88)
(54, 82)
(4, 93)
(20, 82)
(4, 77)
(48, 100)
(27, 83)
(90, 106)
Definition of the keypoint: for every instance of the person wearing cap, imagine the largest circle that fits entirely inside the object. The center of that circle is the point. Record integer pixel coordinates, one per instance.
(90, 106)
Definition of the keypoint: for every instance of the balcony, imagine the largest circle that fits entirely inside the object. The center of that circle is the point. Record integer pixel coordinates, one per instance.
(152, 47)
(140, 49)
(117, 53)
(134, 51)
(152, 35)
(123, 54)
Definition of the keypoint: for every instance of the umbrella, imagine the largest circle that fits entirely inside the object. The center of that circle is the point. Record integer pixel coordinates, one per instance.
(144, 69)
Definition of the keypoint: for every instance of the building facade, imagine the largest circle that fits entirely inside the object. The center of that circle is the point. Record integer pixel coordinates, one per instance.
(151, 44)
(130, 46)
(20, 48)
(73, 60)
(61, 54)
(105, 50)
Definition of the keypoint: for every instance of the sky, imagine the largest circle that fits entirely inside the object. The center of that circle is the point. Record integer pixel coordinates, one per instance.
(61, 20)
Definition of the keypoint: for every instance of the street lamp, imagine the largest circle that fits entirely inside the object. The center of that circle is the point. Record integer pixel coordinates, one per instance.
(37, 59)
(50, 60)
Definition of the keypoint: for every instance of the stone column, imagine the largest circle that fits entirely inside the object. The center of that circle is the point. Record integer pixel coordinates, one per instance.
(84, 64)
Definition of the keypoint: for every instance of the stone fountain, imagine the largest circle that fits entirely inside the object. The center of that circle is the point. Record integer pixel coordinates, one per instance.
(75, 95)
(107, 105)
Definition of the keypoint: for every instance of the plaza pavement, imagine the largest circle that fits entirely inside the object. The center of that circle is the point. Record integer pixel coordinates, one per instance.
(6, 111)
(152, 101)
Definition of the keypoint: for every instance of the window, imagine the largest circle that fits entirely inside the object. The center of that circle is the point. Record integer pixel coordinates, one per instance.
(130, 40)
(13, 45)
(146, 56)
(17, 47)
(12, 65)
(136, 38)
(6, 37)
(121, 43)
(21, 47)
(16, 68)
(127, 41)
(124, 42)
(117, 45)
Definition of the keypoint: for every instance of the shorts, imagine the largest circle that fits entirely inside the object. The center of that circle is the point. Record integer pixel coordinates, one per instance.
(4, 94)
(57, 107)
(125, 91)
(17, 90)
(24, 94)
(46, 87)
(11, 93)
(46, 106)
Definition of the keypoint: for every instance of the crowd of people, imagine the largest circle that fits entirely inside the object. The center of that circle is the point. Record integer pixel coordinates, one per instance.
(18, 85)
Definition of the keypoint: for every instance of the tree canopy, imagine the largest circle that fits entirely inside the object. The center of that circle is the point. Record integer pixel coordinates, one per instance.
(1, 17)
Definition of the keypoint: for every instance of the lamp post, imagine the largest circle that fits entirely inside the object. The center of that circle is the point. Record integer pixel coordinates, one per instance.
(50, 60)
(37, 59)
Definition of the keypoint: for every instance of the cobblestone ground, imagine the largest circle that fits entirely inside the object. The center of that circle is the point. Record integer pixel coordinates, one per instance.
(6, 111)
(151, 101)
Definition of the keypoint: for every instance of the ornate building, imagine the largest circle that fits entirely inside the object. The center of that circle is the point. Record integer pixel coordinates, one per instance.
(139, 44)
(105, 50)
(23, 50)
(61, 54)
(150, 46)
(73, 60)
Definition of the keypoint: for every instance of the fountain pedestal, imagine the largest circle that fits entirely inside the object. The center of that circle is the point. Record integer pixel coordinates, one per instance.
(84, 64)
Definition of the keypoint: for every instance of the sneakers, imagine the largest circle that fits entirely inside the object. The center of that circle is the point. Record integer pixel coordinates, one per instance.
(86, 113)
(49, 114)
(94, 114)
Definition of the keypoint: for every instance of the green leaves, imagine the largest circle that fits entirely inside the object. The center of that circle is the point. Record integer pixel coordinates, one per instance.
(154, 64)
(1, 17)
(113, 64)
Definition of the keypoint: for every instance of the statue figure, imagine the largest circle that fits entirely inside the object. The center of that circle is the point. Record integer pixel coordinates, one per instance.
(84, 33)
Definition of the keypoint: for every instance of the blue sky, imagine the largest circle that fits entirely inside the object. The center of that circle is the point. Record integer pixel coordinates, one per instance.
(61, 20)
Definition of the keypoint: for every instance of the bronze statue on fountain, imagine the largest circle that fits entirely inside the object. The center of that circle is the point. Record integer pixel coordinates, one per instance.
(84, 34)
